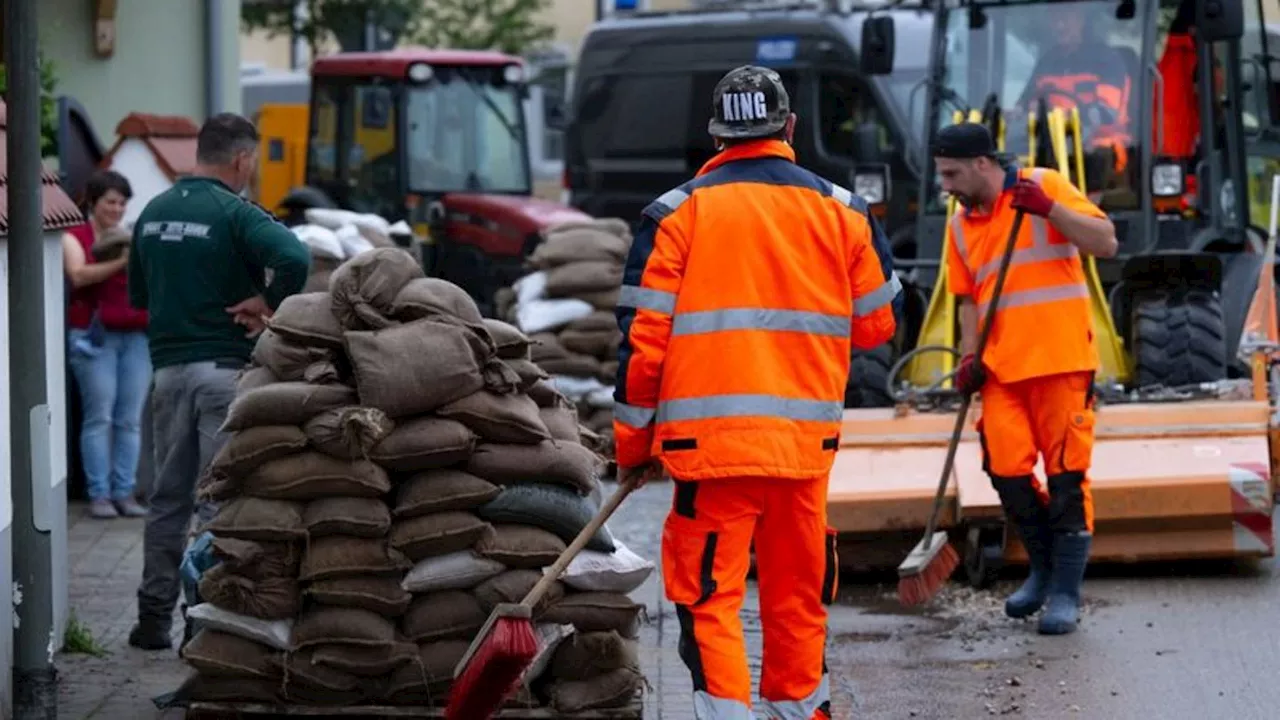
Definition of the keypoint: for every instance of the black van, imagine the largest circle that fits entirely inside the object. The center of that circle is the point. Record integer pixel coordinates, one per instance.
(642, 98)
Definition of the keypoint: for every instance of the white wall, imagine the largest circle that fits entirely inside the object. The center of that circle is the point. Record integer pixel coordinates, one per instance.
(138, 164)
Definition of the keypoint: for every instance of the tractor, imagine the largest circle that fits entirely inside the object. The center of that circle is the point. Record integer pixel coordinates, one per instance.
(436, 138)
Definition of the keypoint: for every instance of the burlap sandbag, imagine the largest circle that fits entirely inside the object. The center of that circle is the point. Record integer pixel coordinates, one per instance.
(348, 432)
(596, 343)
(310, 475)
(608, 372)
(521, 546)
(249, 448)
(553, 508)
(564, 246)
(336, 556)
(261, 519)
(528, 372)
(424, 443)
(381, 594)
(600, 320)
(308, 319)
(511, 587)
(367, 662)
(583, 276)
(498, 418)
(365, 517)
(285, 403)
(253, 377)
(614, 689)
(564, 463)
(443, 615)
(416, 368)
(546, 395)
(437, 491)
(510, 342)
(599, 420)
(545, 346)
(268, 598)
(573, 365)
(224, 688)
(427, 682)
(365, 287)
(218, 653)
(585, 655)
(255, 559)
(597, 612)
(325, 625)
(318, 281)
(309, 683)
(610, 225)
(436, 534)
(561, 422)
(433, 297)
(291, 362)
(602, 299)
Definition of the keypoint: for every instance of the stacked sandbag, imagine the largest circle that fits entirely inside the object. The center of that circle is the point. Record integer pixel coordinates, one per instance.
(334, 236)
(566, 305)
(389, 479)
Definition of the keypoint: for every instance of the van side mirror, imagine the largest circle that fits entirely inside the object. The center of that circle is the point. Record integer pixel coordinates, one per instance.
(876, 53)
(866, 142)
(1218, 20)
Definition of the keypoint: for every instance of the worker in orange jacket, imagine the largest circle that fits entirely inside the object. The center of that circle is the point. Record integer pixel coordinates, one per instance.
(1036, 372)
(743, 292)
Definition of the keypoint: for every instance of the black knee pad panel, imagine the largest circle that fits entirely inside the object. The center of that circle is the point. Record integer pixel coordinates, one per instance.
(1018, 497)
(1066, 502)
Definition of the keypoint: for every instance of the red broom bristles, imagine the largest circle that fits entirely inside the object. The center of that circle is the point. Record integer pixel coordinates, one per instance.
(919, 588)
(493, 671)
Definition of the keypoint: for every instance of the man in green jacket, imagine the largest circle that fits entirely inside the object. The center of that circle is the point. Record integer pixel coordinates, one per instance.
(200, 264)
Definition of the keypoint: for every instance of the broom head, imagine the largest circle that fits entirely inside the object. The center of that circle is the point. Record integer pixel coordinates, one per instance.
(926, 569)
(491, 668)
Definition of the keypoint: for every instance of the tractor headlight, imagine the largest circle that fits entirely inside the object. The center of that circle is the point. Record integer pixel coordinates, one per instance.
(872, 184)
(420, 72)
(513, 74)
(1166, 180)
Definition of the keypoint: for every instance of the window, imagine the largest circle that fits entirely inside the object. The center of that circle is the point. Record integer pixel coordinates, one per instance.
(551, 83)
(622, 116)
(372, 161)
(845, 103)
(323, 144)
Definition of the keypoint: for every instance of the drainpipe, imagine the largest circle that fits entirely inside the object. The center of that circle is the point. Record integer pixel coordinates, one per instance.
(214, 102)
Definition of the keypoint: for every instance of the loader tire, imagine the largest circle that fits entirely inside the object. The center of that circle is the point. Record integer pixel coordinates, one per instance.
(1179, 340)
(868, 373)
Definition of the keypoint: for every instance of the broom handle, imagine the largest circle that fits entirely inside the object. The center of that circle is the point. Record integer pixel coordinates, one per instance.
(584, 537)
(963, 413)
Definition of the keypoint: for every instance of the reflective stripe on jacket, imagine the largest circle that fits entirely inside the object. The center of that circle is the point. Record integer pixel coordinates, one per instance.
(742, 293)
(1043, 325)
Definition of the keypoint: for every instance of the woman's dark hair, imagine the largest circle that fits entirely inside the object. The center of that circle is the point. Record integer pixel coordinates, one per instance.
(102, 182)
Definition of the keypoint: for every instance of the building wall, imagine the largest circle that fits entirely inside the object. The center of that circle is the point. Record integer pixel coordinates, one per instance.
(159, 60)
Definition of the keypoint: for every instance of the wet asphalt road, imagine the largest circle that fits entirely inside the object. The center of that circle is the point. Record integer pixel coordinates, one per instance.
(1172, 642)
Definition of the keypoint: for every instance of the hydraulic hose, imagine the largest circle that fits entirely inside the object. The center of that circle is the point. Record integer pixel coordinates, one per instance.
(904, 395)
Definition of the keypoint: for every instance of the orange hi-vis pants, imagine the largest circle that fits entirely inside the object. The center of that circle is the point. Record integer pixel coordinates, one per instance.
(706, 553)
(1050, 416)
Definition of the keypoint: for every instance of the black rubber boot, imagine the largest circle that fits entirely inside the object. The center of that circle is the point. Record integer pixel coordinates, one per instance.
(1070, 557)
(150, 634)
(1030, 519)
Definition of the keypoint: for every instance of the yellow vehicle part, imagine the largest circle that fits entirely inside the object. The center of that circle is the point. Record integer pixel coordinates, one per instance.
(282, 151)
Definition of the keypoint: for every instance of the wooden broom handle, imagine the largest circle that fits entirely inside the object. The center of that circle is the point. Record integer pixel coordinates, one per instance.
(549, 577)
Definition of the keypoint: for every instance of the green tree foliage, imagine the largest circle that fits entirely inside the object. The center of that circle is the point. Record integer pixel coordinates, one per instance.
(511, 26)
(48, 104)
(341, 20)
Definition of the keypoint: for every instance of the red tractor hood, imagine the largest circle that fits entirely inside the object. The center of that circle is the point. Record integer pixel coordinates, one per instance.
(524, 215)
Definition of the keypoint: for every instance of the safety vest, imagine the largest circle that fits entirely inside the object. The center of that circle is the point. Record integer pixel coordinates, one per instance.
(742, 293)
(1043, 324)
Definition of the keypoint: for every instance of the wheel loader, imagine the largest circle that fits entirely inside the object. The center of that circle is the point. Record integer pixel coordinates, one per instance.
(1184, 315)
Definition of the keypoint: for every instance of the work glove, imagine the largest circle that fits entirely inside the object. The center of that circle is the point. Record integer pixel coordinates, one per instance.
(1029, 197)
(970, 375)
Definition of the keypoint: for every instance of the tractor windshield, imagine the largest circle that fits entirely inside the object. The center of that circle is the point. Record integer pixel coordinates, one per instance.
(1029, 58)
(466, 134)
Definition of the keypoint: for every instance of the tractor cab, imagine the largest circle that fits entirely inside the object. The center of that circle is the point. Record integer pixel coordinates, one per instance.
(436, 138)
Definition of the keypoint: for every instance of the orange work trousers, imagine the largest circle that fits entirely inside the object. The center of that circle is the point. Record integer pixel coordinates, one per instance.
(1051, 417)
(706, 554)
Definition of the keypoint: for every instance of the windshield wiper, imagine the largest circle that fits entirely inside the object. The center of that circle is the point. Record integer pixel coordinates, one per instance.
(493, 107)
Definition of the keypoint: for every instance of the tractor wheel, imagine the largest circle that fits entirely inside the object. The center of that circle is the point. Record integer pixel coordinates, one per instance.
(1179, 340)
(868, 373)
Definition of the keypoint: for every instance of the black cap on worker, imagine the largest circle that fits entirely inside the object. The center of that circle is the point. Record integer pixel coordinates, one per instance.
(750, 102)
(964, 141)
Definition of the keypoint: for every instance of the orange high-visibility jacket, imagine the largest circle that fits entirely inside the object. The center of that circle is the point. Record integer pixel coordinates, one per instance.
(1043, 324)
(742, 293)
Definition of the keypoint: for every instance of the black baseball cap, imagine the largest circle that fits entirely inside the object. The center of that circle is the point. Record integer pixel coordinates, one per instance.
(750, 101)
(964, 141)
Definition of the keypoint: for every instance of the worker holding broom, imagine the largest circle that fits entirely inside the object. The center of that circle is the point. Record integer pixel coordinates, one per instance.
(742, 294)
(1036, 372)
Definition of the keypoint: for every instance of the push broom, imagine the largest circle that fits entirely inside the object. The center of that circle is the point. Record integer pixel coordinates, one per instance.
(505, 647)
(932, 560)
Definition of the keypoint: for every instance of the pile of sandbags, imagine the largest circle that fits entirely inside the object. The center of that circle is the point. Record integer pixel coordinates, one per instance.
(566, 305)
(397, 467)
(334, 236)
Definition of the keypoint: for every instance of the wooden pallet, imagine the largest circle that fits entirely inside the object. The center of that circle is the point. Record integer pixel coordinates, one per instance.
(223, 711)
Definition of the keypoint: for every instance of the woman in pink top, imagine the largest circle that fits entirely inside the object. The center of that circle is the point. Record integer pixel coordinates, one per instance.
(107, 349)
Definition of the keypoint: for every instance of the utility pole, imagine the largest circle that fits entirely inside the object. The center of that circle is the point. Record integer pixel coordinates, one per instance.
(35, 685)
